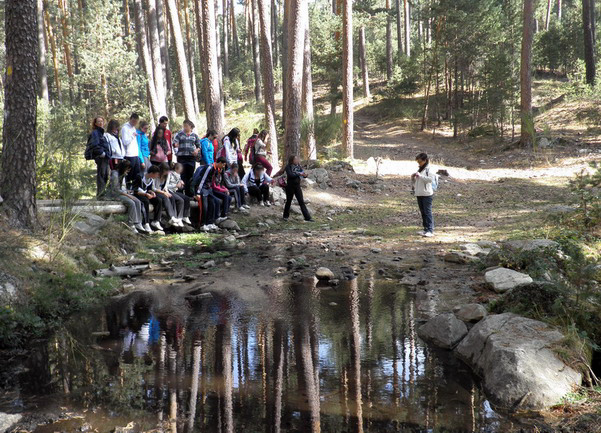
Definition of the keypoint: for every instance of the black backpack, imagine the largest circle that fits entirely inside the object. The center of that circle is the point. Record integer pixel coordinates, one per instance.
(89, 153)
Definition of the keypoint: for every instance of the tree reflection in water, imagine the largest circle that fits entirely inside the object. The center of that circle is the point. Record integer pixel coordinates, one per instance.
(310, 359)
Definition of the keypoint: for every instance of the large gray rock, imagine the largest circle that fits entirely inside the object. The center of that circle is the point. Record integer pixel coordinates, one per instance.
(475, 250)
(444, 330)
(530, 245)
(320, 176)
(459, 257)
(8, 420)
(515, 358)
(229, 224)
(470, 312)
(503, 280)
(324, 274)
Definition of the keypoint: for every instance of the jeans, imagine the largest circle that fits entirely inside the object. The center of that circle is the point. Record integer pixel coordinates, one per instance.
(238, 193)
(292, 191)
(102, 176)
(134, 208)
(261, 193)
(189, 163)
(182, 204)
(425, 208)
(168, 204)
(211, 207)
(226, 200)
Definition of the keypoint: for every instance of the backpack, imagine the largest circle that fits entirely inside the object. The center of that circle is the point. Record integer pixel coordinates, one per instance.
(89, 152)
(435, 181)
(250, 145)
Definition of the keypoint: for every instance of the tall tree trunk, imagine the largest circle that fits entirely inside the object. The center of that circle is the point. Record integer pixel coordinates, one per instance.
(42, 71)
(155, 53)
(54, 50)
(388, 41)
(234, 26)
(219, 58)
(274, 31)
(144, 53)
(407, 16)
(399, 27)
(284, 59)
(589, 39)
(165, 59)
(526, 73)
(213, 92)
(307, 101)
(267, 72)
(256, 54)
(62, 4)
(296, 42)
(201, 50)
(126, 20)
(548, 16)
(190, 53)
(347, 80)
(18, 174)
(363, 62)
(559, 10)
(226, 50)
(182, 64)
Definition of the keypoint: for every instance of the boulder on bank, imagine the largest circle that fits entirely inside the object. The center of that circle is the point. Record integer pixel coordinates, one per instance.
(515, 358)
(470, 312)
(503, 279)
(530, 245)
(444, 330)
(8, 420)
(324, 274)
(320, 176)
(229, 224)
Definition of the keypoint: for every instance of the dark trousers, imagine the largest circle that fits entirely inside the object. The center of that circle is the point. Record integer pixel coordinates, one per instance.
(239, 194)
(167, 203)
(102, 176)
(425, 208)
(261, 193)
(135, 172)
(295, 191)
(189, 163)
(211, 207)
(157, 204)
(182, 204)
(226, 201)
(241, 171)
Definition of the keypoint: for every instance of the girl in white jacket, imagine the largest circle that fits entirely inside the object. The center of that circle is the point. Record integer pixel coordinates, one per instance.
(422, 182)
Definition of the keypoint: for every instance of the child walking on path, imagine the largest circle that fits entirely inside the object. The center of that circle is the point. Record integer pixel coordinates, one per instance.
(423, 189)
(294, 175)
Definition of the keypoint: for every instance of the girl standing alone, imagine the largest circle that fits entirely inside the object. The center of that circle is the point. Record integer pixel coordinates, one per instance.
(423, 189)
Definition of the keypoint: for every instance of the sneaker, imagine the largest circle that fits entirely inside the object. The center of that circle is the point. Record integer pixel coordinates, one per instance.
(261, 203)
(172, 222)
(139, 227)
(268, 204)
(156, 225)
(180, 223)
(245, 206)
(285, 219)
(213, 227)
(147, 228)
(187, 221)
(428, 234)
(205, 228)
(310, 220)
(421, 233)
(132, 228)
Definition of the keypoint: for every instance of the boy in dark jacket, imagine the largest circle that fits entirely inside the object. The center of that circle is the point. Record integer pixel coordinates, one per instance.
(99, 150)
(294, 174)
(201, 187)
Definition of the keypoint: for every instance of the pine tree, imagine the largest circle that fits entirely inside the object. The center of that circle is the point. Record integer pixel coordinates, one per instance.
(588, 24)
(307, 102)
(347, 79)
(526, 73)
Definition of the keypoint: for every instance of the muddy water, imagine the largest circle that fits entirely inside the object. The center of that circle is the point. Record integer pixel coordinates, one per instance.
(310, 359)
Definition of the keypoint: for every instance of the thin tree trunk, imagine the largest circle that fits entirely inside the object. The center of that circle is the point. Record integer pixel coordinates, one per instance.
(54, 50)
(182, 64)
(548, 16)
(363, 62)
(407, 17)
(144, 53)
(559, 10)
(42, 71)
(526, 73)
(296, 42)
(399, 27)
(190, 53)
(234, 25)
(126, 19)
(66, 47)
(256, 54)
(217, 36)
(307, 101)
(589, 40)
(201, 50)
(268, 85)
(284, 59)
(388, 41)
(347, 80)
(226, 50)
(155, 53)
(18, 174)
(274, 31)
(213, 92)
(165, 60)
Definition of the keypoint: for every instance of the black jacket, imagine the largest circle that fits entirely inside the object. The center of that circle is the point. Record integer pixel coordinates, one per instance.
(98, 144)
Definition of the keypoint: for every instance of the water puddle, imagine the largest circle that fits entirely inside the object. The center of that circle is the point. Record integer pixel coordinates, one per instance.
(309, 359)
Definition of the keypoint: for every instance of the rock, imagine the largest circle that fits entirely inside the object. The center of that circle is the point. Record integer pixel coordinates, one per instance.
(339, 166)
(89, 284)
(308, 234)
(376, 250)
(514, 356)
(459, 257)
(324, 274)
(502, 279)
(320, 176)
(487, 244)
(296, 210)
(444, 330)
(528, 245)
(278, 195)
(86, 228)
(129, 428)
(209, 264)
(353, 183)
(474, 250)
(229, 224)
(470, 312)
(544, 142)
(559, 210)
(8, 420)
(93, 219)
(241, 245)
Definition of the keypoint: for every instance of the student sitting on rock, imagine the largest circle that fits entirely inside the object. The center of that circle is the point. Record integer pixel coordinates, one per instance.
(235, 187)
(144, 187)
(257, 183)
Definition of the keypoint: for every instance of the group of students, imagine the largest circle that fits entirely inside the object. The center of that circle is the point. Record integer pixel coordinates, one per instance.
(168, 172)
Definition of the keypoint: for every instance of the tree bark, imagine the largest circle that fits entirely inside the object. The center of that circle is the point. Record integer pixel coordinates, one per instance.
(307, 101)
(182, 64)
(18, 174)
(274, 31)
(526, 73)
(66, 47)
(407, 17)
(234, 26)
(225, 50)
(388, 41)
(347, 80)
(363, 62)
(201, 50)
(165, 59)
(559, 10)
(190, 51)
(399, 27)
(54, 50)
(42, 71)
(589, 40)
(144, 53)
(284, 59)
(296, 42)
(256, 54)
(155, 52)
(268, 85)
(213, 92)
(548, 16)
(126, 23)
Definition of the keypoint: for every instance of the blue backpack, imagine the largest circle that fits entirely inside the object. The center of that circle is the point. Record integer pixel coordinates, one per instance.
(435, 181)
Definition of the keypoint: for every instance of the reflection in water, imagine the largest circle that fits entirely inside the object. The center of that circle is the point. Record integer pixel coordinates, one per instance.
(312, 360)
